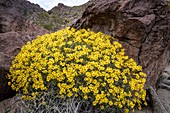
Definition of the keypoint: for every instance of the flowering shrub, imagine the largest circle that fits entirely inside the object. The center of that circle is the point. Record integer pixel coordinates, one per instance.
(79, 64)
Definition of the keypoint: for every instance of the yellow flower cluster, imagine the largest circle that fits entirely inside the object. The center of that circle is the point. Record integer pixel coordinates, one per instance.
(82, 64)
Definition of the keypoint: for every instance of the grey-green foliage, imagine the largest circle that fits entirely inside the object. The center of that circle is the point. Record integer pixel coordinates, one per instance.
(47, 102)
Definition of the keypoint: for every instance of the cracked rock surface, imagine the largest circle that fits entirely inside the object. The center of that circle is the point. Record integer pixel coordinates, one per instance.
(142, 26)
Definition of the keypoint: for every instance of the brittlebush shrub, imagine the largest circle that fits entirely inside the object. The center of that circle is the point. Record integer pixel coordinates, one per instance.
(81, 64)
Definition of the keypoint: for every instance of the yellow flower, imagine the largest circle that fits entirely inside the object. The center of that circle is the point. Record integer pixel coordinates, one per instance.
(81, 64)
(85, 97)
(120, 105)
(102, 107)
(70, 42)
(110, 103)
(94, 103)
(126, 110)
(69, 94)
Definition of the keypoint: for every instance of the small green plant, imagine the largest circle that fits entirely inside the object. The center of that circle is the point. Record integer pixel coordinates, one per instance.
(48, 26)
(79, 64)
(43, 15)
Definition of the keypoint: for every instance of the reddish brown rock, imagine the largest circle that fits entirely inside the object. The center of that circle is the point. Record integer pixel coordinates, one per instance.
(10, 44)
(15, 31)
(142, 26)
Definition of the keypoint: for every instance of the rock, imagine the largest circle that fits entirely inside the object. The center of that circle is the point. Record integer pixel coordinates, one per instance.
(5, 90)
(141, 26)
(23, 7)
(15, 31)
(11, 20)
(11, 105)
(164, 80)
(158, 106)
(10, 44)
(163, 88)
(164, 96)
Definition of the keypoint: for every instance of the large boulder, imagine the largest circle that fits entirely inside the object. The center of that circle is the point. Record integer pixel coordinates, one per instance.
(142, 26)
(15, 31)
(10, 44)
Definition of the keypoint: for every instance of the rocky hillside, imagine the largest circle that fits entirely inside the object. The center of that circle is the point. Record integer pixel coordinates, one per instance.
(59, 17)
(23, 7)
(17, 9)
